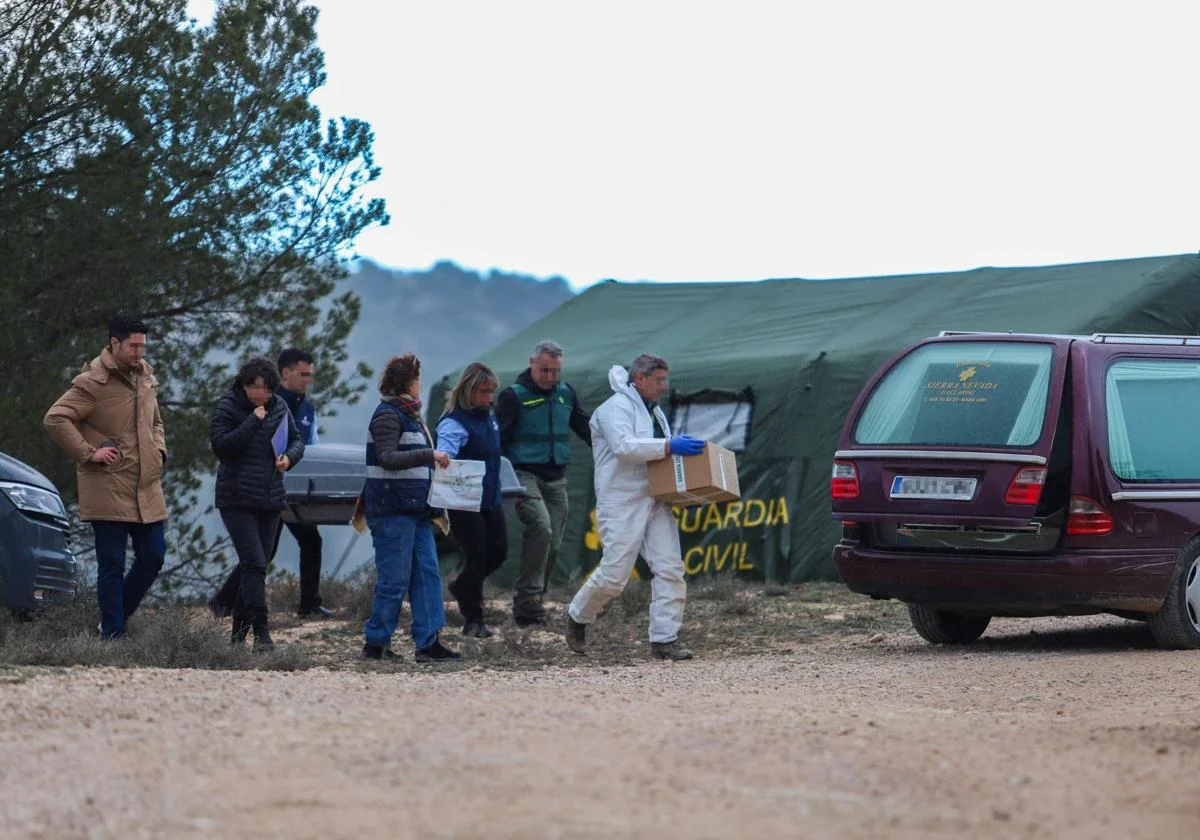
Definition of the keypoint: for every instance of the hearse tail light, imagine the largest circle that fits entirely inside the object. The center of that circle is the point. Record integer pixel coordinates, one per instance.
(845, 480)
(1026, 486)
(1087, 518)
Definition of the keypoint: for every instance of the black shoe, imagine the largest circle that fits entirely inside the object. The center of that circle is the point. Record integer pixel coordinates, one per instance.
(314, 612)
(263, 643)
(576, 636)
(437, 652)
(371, 651)
(218, 609)
(524, 621)
(477, 629)
(111, 637)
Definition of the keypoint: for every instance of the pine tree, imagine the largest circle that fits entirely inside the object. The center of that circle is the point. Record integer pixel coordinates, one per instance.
(182, 174)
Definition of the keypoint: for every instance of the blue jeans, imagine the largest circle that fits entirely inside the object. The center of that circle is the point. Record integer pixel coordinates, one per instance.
(405, 561)
(120, 594)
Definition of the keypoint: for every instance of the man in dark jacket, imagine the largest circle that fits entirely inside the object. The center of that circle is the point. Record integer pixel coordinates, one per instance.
(536, 416)
(295, 378)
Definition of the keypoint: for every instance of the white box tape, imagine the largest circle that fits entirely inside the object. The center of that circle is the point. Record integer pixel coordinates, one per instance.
(680, 480)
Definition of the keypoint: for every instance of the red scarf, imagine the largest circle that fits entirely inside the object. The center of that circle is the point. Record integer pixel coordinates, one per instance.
(411, 406)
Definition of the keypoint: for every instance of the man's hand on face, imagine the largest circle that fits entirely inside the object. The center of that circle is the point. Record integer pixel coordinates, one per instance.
(261, 412)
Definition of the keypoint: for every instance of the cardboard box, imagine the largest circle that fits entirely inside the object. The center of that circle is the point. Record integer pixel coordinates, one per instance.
(700, 479)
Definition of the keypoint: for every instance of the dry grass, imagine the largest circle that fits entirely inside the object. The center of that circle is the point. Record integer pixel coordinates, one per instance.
(166, 636)
(725, 617)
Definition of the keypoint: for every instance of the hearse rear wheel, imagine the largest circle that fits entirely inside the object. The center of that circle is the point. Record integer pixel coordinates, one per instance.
(942, 627)
(1177, 623)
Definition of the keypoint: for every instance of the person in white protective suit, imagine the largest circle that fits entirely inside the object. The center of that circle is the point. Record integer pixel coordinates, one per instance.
(628, 431)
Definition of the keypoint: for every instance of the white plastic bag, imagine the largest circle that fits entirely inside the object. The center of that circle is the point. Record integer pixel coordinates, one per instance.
(458, 486)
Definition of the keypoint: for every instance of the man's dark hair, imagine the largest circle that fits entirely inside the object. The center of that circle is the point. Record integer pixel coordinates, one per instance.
(293, 356)
(257, 367)
(121, 327)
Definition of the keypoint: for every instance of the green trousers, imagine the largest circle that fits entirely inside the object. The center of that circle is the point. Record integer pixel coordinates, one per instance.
(542, 512)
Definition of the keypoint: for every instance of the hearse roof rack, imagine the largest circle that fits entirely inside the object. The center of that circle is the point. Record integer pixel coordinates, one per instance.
(1096, 338)
(1146, 338)
(948, 333)
(945, 333)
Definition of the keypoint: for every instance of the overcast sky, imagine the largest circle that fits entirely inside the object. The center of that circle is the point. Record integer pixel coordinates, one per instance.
(742, 140)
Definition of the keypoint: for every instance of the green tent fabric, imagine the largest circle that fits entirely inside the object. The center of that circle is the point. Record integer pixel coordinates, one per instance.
(804, 348)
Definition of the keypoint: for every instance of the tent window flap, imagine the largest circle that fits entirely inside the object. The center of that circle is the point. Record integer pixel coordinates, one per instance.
(721, 416)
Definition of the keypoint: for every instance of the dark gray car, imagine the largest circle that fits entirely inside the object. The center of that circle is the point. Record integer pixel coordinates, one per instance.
(323, 487)
(37, 565)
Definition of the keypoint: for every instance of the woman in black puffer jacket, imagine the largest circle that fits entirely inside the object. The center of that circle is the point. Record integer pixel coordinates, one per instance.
(255, 450)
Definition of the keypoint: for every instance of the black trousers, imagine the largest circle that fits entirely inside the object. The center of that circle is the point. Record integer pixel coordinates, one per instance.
(308, 537)
(252, 533)
(483, 538)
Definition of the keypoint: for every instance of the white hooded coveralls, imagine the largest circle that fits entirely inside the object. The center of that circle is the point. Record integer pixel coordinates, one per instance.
(629, 520)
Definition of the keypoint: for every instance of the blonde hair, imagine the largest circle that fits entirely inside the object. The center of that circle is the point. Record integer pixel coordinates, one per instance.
(473, 377)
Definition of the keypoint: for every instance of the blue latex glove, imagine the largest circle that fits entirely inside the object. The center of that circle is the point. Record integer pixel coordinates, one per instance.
(685, 445)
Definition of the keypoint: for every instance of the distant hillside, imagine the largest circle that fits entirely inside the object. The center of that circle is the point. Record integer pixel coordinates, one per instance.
(446, 315)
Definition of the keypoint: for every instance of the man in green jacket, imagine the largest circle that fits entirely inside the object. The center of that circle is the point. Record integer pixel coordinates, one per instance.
(536, 416)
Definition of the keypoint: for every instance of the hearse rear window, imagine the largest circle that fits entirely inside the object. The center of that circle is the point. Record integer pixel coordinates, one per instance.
(981, 393)
(1152, 406)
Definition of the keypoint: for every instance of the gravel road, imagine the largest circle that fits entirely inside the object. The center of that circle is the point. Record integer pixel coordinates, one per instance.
(1079, 730)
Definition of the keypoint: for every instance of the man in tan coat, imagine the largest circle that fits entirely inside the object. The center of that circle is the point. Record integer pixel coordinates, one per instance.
(108, 421)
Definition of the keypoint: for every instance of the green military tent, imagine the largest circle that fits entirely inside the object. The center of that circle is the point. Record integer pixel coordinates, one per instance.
(770, 369)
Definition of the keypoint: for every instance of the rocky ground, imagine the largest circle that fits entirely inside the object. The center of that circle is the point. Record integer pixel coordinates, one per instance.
(807, 712)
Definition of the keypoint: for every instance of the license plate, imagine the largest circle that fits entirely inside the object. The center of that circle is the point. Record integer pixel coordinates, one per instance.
(933, 487)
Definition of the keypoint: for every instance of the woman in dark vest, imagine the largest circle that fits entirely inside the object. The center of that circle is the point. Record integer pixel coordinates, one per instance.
(468, 430)
(400, 461)
(256, 442)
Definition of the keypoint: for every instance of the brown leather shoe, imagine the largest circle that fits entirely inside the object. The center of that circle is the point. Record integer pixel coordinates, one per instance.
(576, 636)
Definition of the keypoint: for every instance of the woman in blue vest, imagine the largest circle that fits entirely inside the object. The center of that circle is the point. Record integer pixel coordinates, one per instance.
(468, 430)
(400, 463)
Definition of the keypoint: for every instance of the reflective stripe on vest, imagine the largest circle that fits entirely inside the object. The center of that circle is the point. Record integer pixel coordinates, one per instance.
(420, 473)
(406, 438)
(397, 491)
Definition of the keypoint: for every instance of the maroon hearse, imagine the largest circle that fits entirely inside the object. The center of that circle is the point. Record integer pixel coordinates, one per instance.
(999, 474)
